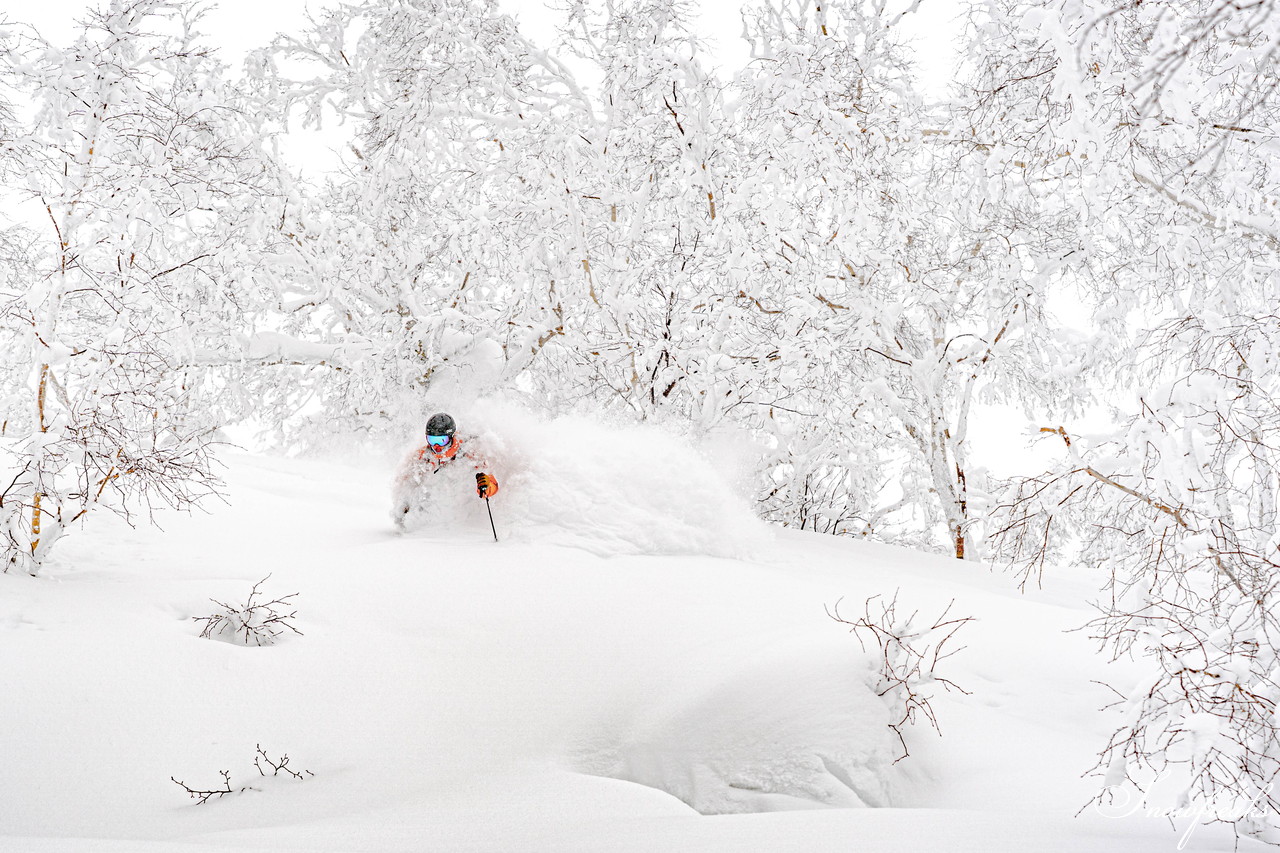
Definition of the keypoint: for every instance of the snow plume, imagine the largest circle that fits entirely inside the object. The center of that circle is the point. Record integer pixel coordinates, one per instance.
(609, 489)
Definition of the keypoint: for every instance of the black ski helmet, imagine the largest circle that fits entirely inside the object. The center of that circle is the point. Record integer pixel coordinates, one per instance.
(441, 424)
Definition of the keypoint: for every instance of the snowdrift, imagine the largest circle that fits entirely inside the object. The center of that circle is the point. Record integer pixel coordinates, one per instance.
(801, 728)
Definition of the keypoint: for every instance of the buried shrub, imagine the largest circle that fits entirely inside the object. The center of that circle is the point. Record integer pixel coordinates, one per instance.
(910, 651)
(254, 623)
(261, 761)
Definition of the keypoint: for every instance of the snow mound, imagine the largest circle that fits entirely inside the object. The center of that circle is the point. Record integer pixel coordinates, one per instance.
(801, 731)
(610, 490)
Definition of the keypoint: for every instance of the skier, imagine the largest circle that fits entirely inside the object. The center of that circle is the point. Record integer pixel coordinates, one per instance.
(431, 469)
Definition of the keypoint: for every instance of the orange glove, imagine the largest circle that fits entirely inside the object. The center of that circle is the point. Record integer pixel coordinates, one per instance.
(486, 486)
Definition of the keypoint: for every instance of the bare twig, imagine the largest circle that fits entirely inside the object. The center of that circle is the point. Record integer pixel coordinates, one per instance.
(278, 766)
(909, 657)
(261, 761)
(202, 796)
(255, 622)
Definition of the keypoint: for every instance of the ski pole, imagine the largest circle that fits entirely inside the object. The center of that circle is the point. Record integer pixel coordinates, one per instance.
(484, 494)
(491, 527)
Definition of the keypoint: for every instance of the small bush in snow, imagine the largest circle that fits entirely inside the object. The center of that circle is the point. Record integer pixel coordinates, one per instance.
(254, 623)
(261, 761)
(202, 796)
(910, 651)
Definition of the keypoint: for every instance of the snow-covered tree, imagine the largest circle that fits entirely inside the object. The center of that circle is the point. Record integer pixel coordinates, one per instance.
(820, 117)
(660, 336)
(442, 254)
(901, 254)
(15, 267)
(1165, 113)
(142, 174)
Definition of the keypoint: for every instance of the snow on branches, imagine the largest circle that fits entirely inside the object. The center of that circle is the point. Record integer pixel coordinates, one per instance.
(141, 173)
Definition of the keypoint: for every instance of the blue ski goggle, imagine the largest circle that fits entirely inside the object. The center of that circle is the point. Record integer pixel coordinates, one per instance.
(439, 440)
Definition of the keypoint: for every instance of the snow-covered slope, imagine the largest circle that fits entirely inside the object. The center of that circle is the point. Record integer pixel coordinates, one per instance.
(566, 688)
